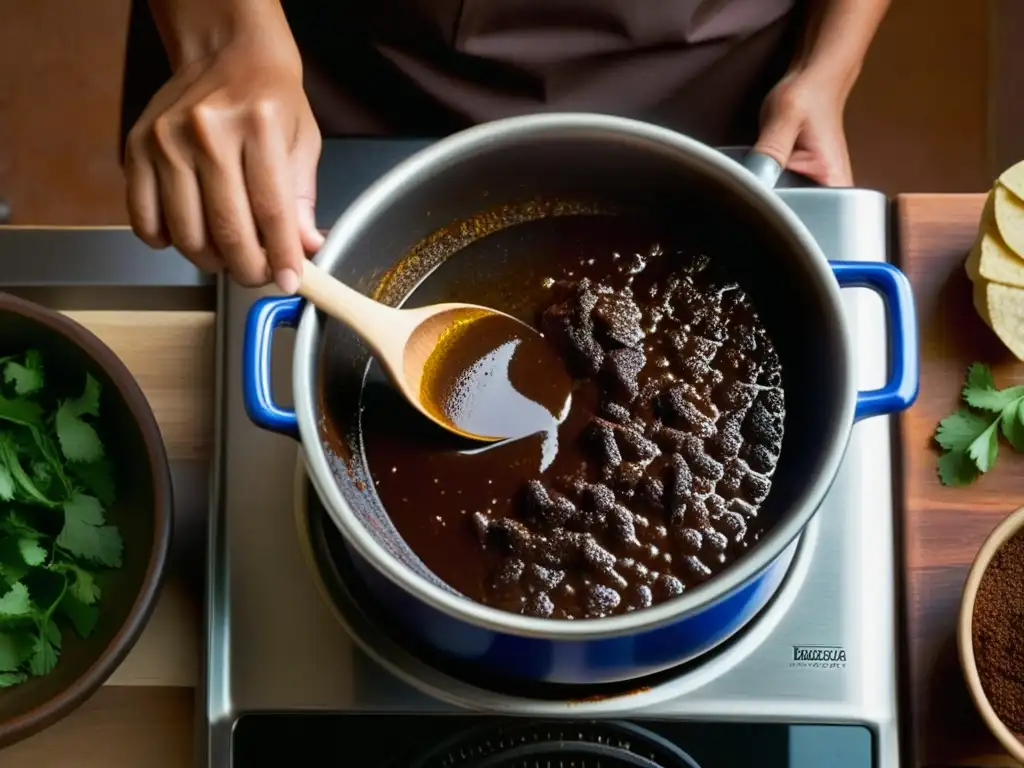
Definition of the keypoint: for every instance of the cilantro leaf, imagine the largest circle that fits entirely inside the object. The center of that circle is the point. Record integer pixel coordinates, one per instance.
(9, 659)
(24, 484)
(56, 480)
(27, 376)
(985, 448)
(83, 587)
(991, 399)
(14, 651)
(980, 390)
(44, 650)
(957, 468)
(84, 534)
(1013, 424)
(31, 552)
(979, 376)
(98, 479)
(6, 484)
(970, 435)
(82, 617)
(12, 571)
(85, 508)
(48, 455)
(16, 602)
(52, 633)
(20, 411)
(89, 403)
(10, 679)
(958, 430)
(78, 439)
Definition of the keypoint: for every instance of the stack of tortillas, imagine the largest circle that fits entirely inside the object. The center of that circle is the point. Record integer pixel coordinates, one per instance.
(996, 262)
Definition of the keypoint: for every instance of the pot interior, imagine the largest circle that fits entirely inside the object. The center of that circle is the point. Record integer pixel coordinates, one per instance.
(446, 237)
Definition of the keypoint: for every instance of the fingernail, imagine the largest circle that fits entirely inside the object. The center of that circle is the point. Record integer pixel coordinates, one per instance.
(287, 280)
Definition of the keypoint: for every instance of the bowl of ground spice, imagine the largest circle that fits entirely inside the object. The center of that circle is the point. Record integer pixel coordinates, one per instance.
(990, 633)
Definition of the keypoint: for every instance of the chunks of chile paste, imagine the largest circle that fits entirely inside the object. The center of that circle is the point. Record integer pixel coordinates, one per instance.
(675, 460)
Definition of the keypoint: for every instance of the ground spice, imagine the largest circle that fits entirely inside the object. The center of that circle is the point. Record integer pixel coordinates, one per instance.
(998, 633)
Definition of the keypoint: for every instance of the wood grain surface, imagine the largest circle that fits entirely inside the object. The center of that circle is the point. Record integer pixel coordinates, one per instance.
(119, 727)
(145, 715)
(943, 528)
(171, 355)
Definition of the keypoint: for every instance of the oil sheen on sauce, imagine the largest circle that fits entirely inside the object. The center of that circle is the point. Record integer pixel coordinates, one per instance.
(492, 376)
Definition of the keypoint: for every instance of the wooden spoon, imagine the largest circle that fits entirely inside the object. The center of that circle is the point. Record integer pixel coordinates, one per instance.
(474, 371)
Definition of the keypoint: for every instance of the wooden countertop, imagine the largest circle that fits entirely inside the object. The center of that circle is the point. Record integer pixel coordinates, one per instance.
(943, 528)
(144, 716)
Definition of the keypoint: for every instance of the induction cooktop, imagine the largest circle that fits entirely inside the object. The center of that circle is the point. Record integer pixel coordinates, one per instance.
(299, 667)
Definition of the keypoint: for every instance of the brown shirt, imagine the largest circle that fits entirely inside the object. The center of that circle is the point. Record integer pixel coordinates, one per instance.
(428, 67)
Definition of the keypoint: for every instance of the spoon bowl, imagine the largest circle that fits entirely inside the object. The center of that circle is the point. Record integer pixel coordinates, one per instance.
(476, 372)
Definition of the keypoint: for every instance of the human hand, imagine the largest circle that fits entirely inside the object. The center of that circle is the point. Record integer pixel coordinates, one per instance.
(222, 164)
(802, 128)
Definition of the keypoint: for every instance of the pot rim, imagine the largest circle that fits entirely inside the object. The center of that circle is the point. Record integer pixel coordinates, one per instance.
(437, 157)
(1011, 525)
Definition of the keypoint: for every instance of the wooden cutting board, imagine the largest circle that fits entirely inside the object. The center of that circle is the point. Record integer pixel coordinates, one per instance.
(943, 528)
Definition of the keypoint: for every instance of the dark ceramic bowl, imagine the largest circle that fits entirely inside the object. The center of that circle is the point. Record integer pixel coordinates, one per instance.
(142, 512)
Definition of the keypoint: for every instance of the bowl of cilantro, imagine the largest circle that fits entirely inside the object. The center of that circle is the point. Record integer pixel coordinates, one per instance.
(85, 515)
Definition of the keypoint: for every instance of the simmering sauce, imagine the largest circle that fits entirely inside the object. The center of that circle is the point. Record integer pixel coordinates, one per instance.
(650, 484)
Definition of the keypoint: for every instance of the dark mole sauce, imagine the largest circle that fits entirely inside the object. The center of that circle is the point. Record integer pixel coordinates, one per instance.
(651, 483)
(491, 376)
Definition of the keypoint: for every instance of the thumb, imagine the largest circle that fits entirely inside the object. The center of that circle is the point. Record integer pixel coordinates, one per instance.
(304, 161)
(778, 136)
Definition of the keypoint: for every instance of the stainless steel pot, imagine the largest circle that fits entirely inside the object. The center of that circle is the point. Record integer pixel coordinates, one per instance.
(624, 162)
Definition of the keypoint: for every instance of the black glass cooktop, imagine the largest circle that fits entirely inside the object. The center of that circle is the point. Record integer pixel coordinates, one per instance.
(474, 741)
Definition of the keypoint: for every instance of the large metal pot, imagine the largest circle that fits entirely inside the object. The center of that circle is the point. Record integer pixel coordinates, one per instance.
(571, 156)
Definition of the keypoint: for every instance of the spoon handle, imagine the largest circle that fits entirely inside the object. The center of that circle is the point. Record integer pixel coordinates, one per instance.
(379, 325)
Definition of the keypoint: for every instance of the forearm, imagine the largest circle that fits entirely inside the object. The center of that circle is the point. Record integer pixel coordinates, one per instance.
(194, 29)
(837, 38)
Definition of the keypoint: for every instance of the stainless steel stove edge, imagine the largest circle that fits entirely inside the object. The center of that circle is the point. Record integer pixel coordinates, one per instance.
(215, 717)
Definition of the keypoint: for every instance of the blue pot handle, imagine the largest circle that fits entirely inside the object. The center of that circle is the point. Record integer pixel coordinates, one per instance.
(900, 392)
(265, 316)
